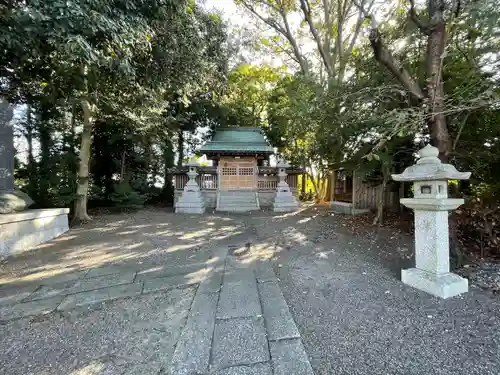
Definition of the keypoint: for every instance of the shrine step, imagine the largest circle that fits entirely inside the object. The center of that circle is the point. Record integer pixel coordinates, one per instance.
(237, 201)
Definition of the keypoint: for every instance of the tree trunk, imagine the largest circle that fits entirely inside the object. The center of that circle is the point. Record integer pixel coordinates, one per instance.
(313, 181)
(82, 186)
(379, 219)
(436, 44)
(122, 166)
(180, 147)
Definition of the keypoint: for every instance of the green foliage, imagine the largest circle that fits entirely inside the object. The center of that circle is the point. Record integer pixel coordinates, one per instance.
(124, 196)
(128, 59)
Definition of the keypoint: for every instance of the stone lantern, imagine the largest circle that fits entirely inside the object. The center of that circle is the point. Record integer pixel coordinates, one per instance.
(431, 204)
(191, 201)
(284, 200)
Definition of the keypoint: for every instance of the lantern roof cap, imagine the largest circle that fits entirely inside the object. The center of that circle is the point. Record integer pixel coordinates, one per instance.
(430, 168)
(192, 162)
(282, 163)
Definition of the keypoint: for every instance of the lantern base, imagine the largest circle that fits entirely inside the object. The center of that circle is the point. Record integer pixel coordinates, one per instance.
(443, 285)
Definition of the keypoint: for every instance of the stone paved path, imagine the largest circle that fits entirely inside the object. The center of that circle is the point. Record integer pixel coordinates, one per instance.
(223, 316)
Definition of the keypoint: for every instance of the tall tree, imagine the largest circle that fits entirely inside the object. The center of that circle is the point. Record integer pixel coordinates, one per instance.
(434, 22)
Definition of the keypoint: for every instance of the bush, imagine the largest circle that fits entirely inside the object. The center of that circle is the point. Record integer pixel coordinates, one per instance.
(124, 196)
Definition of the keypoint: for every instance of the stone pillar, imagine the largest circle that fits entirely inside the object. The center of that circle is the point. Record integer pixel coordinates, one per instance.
(11, 200)
(6, 147)
(191, 201)
(284, 201)
(431, 204)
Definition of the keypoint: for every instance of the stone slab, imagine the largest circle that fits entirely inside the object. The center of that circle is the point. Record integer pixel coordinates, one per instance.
(82, 285)
(100, 295)
(169, 270)
(212, 283)
(240, 341)
(63, 277)
(289, 357)
(279, 322)
(48, 291)
(57, 285)
(22, 310)
(192, 353)
(443, 285)
(233, 274)
(239, 299)
(11, 295)
(257, 369)
(264, 272)
(110, 270)
(165, 283)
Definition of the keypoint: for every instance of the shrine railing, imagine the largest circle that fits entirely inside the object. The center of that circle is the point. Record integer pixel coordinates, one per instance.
(208, 179)
(267, 184)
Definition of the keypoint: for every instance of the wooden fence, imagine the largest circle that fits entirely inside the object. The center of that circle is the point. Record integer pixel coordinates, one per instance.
(350, 187)
(367, 195)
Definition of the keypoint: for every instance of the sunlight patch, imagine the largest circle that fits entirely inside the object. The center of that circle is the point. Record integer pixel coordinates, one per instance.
(199, 233)
(305, 220)
(92, 369)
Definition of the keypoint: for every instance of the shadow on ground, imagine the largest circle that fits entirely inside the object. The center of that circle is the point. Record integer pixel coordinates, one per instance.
(146, 238)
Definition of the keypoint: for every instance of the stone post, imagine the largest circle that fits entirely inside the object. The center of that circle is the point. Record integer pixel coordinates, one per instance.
(11, 200)
(284, 201)
(191, 201)
(6, 147)
(431, 204)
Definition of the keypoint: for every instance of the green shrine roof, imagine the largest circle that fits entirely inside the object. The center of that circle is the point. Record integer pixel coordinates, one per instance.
(237, 141)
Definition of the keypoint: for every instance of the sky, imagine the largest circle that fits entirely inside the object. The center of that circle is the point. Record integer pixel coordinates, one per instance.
(226, 6)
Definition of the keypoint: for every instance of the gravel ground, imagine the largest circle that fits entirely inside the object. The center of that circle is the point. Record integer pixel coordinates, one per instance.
(356, 317)
(129, 336)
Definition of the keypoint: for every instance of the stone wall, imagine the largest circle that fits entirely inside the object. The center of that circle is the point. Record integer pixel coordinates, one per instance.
(22, 231)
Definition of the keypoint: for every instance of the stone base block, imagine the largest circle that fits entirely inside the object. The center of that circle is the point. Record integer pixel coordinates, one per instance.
(285, 208)
(440, 285)
(285, 202)
(189, 210)
(190, 202)
(22, 231)
(347, 208)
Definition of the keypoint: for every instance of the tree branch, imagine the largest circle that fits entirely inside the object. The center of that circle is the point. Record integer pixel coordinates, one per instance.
(288, 34)
(270, 22)
(460, 129)
(306, 9)
(291, 55)
(384, 56)
(417, 20)
(283, 30)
